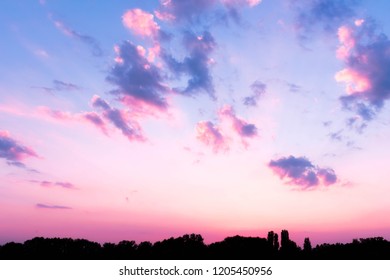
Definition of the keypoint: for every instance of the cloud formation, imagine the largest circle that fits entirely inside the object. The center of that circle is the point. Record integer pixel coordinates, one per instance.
(88, 40)
(14, 152)
(60, 86)
(139, 82)
(258, 89)
(301, 172)
(366, 55)
(196, 65)
(180, 11)
(240, 126)
(141, 23)
(129, 127)
(45, 206)
(65, 185)
(327, 15)
(210, 135)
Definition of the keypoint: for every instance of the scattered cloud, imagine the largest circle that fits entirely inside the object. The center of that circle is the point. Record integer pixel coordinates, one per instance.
(129, 127)
(258, 89)
(91, 42)
(210, 135)
(240, 126)
(60, 86)
(196, 65)
(65, 185)
(14, 152)
(184, 11)
(139, 82)
(301, 172)
(326, 15)
(366, 55)
(45, 206)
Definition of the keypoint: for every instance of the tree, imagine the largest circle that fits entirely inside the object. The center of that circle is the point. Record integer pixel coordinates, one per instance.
(307, 245)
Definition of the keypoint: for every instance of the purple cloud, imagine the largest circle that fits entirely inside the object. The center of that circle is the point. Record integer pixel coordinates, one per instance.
(139, 82)
(48, 184)
(130, 128)
(196, 65)
(327, 15)
(45, 206)
(366, 55)
(96, 120)
(12, 151)
(243, 128)
(258, 89)
(301, 172)
(188, 10)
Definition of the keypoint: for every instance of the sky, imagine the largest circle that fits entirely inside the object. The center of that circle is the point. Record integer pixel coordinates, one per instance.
(142, 120)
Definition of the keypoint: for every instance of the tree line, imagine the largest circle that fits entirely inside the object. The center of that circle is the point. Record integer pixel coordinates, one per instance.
(192, 246)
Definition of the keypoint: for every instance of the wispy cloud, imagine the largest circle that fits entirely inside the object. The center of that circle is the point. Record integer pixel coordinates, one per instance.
(53, 207)
(49, 184)
(258, 89)
(91, 42)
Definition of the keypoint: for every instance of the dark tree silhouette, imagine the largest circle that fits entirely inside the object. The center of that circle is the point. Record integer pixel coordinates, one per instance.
(191, 246)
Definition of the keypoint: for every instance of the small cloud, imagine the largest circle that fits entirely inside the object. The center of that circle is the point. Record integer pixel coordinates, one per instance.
(45, 206)
(49, 184)
(210, 135)
(14, 152)
(301, 172)
(59, 86)
(130, 128)
(141, 23)
(243, 128)
(258, 89)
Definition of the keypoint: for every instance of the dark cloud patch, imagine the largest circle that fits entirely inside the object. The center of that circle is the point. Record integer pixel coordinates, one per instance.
(58, 207)
(91, 42)
(301, 172)
(197, 65)
(14, 152)
(139, 82)
(258, 89)
(366, 54)
(130, 128)
(326, 15)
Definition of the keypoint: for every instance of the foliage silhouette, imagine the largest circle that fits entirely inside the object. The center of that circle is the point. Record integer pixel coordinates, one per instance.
(192, 246)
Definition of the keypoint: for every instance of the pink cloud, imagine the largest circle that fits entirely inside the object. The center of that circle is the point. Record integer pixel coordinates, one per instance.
(141, 23)
(210, 135)
(12, 151)
(366, 55)
(240, 126)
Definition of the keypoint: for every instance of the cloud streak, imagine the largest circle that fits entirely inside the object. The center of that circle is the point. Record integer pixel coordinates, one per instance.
(48, 184)
(301, 172)
(52, 207)
(91, 42)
